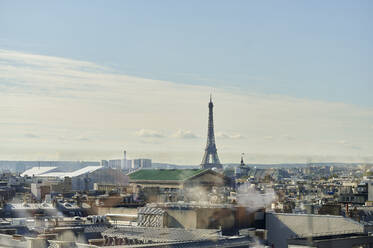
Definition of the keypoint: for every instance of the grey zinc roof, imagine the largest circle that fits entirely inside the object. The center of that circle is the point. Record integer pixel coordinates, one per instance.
(162, 234)
(150, 210)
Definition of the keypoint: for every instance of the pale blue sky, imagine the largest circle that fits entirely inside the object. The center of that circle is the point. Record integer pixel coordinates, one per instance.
(292, 80)
(307, 49)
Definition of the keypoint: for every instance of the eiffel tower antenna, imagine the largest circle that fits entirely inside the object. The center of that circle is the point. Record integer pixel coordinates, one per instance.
(210, 158)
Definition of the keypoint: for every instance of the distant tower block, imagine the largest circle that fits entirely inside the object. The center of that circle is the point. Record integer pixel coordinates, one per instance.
(211, 159)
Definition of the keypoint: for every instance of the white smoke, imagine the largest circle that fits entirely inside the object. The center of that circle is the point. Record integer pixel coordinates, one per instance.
(198, 194)
(257, 244)
(248, 196)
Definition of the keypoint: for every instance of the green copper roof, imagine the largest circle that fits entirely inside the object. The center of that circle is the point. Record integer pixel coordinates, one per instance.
(176, 175)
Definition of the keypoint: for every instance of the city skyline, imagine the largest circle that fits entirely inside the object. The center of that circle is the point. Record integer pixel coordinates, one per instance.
(186, 123)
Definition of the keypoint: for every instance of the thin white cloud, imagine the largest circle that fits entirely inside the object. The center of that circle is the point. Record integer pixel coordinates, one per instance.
(353, 147)
(228, 136)
(349, 145)
(65, 98)
(342, 142)
(288, 137)
(184, 134)
(149, 133)
(83, 138)
(31, 135)
(9, 58)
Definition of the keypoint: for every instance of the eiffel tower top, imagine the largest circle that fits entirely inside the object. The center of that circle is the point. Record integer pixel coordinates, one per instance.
(210, 159)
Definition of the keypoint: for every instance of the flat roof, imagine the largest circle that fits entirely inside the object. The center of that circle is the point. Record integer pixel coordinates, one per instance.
(162, 234)
(43, 205)
(36, 171)
(87, 169)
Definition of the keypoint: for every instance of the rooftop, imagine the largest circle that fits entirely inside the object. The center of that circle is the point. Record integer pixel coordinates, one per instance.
(43, 205)
(313, 241)
(173, 175)
(189, 205)
(36, 171)
(55, 172)
(162, 234)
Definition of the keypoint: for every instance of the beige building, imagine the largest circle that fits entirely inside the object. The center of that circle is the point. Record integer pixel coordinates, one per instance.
(173, 185)
(110, 187)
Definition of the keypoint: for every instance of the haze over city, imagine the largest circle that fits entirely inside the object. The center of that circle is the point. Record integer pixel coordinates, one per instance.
(287, 86)
(162, 124)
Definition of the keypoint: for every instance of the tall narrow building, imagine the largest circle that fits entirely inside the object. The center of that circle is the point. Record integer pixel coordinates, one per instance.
(210, 159)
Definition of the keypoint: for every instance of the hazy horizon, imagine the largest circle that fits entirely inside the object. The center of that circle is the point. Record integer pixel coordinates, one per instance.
(286, 86)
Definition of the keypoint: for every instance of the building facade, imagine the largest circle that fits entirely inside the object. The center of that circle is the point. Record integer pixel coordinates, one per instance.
(142, 163)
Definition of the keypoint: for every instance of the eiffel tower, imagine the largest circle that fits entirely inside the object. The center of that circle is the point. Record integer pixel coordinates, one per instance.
(210, 159)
